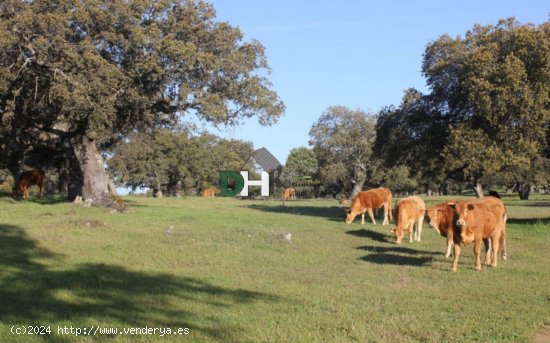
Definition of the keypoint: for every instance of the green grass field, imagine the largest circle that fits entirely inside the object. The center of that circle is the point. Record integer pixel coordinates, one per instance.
(221, 268)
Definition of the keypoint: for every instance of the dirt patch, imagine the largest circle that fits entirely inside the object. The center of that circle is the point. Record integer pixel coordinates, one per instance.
(543, 335)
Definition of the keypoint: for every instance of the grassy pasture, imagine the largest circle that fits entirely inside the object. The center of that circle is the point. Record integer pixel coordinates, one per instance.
(222, 268)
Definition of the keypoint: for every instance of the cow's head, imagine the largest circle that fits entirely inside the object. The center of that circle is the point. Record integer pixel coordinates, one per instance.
(350, 216)
(432, 215)
(399, 233)
(463, 214)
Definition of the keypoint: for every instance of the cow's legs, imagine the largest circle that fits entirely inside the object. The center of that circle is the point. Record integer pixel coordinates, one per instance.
(363, 218)
(503, 247)
(488, 251)
(371, 216)
(456, 249)
(449, 243)
(419, 229)
(477, 252)
(496, 243)
(411, 231)
(386, 221)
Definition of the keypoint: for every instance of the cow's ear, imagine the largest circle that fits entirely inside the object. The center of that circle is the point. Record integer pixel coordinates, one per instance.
(393, 229)
(452, 204)
(471, 207)
(348, 210)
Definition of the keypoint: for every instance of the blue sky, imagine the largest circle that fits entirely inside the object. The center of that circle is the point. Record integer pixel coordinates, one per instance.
(360, 54)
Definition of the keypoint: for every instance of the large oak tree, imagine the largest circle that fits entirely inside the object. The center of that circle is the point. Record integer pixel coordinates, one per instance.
(493, 88)
(83, 75)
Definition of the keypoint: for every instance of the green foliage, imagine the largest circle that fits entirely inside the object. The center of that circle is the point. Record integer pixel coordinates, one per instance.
(105, 69)
(342, 141)
(398, 179)
(175, 162)
(300, 164)
(493, 88)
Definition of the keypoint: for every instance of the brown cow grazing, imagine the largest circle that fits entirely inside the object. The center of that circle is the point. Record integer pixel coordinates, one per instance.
(289, 194)
(476, 220)
(30, 178)
(369, 200)
(209, 192)
(409, 215)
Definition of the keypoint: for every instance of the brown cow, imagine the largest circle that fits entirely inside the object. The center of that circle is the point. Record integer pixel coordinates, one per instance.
(409, 215)
(30, 178)
(289, 193)
(476, 220)
(209, 192)
(441, 218)
(369, 200)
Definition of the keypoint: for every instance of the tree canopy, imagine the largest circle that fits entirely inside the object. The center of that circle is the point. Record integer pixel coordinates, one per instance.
(492, 86)
(300, 163)
(342, 140)
(88, 74)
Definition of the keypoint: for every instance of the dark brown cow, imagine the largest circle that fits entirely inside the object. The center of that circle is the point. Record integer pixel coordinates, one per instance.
(369, 200)
(409, 215)
(30, 178)
(477, 220)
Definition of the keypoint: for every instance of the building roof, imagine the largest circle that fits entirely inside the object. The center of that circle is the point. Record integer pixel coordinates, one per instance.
(265, 160)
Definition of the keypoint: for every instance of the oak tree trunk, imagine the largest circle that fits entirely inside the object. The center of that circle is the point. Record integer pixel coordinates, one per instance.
(524, 190)
(478, 189)
(97, 186)
(359, 180)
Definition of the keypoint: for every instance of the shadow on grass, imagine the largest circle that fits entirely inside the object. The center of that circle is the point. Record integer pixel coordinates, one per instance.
(34, 198)
(95, 294)
(334, 213)
(397, 250)
(531, 204)
(397, 259)
(528, 221)
(375, 236)
(394, 254)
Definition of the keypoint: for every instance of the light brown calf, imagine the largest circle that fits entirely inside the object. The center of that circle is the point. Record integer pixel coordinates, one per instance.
(289, 193)
(409, 215)
(209, 192)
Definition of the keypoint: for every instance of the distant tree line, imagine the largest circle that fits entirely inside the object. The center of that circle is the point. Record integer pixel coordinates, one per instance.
(484, 123)
(98, 93)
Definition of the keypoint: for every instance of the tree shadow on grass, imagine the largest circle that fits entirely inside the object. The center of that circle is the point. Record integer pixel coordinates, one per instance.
(35, 198)
(32, 291)
(333, 213)
(528, 221)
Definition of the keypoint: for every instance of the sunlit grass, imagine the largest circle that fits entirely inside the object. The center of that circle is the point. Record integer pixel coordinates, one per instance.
(223, 269)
